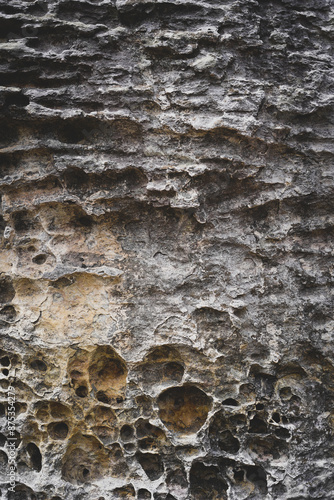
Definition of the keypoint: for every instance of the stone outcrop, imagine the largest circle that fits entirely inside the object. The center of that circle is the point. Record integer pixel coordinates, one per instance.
(167, 248)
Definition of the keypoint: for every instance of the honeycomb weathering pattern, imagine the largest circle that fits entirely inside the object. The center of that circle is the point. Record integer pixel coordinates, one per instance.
(166, 249)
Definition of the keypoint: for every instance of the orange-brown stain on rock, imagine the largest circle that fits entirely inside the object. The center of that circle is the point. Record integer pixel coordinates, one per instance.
(85, 460)
(184, 410)
(101, 373)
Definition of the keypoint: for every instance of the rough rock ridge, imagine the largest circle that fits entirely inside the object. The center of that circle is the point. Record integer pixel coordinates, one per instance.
(167, 248)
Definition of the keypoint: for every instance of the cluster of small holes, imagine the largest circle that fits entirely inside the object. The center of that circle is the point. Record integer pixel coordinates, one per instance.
(82, 391)
(5, 363)
(140, 441)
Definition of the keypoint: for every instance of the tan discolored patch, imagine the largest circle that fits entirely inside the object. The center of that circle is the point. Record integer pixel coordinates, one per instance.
(100, 373)
(85, 460)
(77, 306)
(107, 374)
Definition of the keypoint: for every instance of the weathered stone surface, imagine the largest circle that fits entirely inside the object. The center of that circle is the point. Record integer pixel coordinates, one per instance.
(167, 248)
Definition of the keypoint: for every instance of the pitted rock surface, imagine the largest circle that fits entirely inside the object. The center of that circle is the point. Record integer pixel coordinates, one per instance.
(166, 304)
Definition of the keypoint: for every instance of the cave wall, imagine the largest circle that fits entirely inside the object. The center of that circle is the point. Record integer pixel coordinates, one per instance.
(166, 248)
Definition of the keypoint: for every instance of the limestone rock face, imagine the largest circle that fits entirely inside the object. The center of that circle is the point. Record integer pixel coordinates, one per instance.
(167, 248)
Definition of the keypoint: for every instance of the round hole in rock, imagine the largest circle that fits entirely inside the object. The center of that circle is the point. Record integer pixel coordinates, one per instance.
(22, 492)
(102, 397)
(82, 391)
(259, 406)
(3, 440)
(85, 473)
(220, 435)
(39, 365)
(257, 475)
(84, 452)
(108, 372)
(230, 402)
(35, 456)
(58, 430)
(5, 372)
(227, 442)
(151, 463)
(7, 291)
(8, 313)
(285, 393)
(126, 433)
(5, 361)
(240, 313)
(282, 433)
(184, 409)
(39, 259)
(59, 411)
(3, 458)
(206, 482)
(258, 426)
(143, 494)
(20, 407)
(126, 492)
(239, 475)
(276, 417)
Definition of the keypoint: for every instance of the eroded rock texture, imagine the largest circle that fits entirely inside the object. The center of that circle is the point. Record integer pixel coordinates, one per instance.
(166, 248)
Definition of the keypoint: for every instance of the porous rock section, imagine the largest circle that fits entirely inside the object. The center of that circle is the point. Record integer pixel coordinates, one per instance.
(166, 248)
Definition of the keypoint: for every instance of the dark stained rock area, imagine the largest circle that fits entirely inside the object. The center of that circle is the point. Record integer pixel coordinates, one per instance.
(166, 249)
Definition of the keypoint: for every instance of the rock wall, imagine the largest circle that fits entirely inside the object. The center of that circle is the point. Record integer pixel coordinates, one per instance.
(166, 248)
